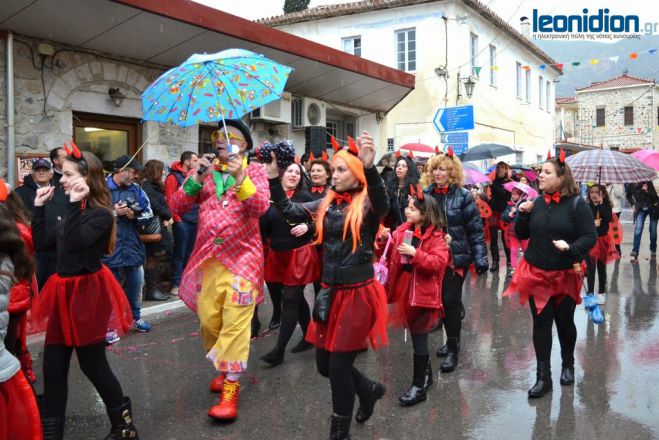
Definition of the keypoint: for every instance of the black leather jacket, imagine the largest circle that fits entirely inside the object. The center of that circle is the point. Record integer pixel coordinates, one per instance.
(340, 264)
(464, 226)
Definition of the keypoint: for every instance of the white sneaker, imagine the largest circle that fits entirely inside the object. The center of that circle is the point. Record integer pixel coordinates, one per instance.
(601, 298)
(174, 291)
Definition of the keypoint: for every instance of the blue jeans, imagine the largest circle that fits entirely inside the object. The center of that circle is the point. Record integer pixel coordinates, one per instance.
(131, 279)
(639, 222)
(184, 238)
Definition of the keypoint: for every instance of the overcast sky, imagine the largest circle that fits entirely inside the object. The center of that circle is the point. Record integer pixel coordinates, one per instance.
(647, 10)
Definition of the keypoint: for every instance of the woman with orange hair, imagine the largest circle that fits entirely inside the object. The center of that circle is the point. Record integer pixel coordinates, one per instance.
(351, 309)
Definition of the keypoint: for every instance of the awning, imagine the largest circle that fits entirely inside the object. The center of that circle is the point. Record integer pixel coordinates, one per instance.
(166, 33)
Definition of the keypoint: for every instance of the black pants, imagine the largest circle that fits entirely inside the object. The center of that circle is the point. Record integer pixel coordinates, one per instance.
(601, 274)
(618, 245)
(563, 316)
(494, 245)
(93, 363)
(452, 300)
(345, 380)
(294, 309)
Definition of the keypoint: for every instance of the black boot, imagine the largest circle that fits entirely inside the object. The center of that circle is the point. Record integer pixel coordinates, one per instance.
(427, 380)
(417, 392)
(543, 381)
(451, 360)
(302, 346)
(151, 292)
(443, 351)
(370, 393)
(339, 427)
(53, 428)
(495, 265)
(567, 375)
(274, 357)
(121, 418)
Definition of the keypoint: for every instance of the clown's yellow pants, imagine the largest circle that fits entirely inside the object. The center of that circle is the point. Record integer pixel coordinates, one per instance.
(225, 307)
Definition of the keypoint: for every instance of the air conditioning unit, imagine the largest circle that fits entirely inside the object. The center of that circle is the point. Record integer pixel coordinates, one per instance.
(276, 111)
(307, 112)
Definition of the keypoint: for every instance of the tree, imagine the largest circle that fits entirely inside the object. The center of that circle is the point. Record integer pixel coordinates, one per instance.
(295, 5)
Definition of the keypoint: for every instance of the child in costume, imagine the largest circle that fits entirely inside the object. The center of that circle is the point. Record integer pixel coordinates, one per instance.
(508, 225)
(82, 299)
(604, 250)
(416, 271)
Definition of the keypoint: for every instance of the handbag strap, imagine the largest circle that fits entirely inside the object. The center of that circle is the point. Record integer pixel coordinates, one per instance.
(383, 258)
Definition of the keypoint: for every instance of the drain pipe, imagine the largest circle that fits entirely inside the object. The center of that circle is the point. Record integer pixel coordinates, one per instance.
(11, 146)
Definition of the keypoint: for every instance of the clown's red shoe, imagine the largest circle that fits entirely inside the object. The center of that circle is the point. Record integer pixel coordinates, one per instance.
(217, 383)
(227, 409)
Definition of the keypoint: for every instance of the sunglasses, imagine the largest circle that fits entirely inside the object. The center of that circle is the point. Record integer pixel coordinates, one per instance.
(221, 136)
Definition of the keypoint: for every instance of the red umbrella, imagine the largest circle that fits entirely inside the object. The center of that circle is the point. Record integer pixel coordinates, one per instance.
(418, 148)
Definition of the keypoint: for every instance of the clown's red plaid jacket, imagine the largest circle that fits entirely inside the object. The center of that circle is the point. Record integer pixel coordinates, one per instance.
(228, 230)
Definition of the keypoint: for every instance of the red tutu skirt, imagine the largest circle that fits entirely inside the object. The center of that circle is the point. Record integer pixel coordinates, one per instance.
(604, 250)
(297, 267)
(542, 285)
(358, 315)
(418, 319)
(79, 310)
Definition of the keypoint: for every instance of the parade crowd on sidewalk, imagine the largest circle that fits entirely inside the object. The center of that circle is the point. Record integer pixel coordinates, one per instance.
(81, 248)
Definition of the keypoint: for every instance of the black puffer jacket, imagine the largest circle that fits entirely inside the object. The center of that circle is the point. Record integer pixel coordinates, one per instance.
(340, 264)
(464, 226)
(500, 196)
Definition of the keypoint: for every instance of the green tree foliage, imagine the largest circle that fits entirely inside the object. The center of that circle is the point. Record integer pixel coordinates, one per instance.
(295, 5)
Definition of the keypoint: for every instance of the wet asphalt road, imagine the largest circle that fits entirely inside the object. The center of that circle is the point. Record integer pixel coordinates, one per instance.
(615, 395)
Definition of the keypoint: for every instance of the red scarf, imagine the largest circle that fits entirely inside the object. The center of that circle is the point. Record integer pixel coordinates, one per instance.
(441, 190)
(417, 233)
(556, 197)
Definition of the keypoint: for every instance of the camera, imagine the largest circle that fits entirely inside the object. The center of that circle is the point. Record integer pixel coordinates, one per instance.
(132, 205)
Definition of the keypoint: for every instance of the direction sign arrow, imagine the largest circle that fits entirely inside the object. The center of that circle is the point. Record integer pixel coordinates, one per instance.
(454, 118)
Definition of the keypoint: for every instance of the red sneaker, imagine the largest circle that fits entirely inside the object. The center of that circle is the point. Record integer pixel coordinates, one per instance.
(227, 409)
(217, 383)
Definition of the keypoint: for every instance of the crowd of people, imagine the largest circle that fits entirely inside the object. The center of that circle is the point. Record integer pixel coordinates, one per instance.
(80, 250)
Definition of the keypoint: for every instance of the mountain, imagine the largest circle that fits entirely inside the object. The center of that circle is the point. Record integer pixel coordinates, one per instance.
(645, 66)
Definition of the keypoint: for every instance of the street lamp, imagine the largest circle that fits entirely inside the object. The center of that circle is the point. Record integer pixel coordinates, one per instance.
(468, 85)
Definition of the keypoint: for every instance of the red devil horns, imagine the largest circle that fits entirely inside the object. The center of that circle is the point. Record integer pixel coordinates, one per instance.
(548, 154)
(436, 149)
(397, 154)
(352, 147)
(419, 192)
(66, 148)
(312, 157)
(325, 158)
(76, 152)
(412, 190)
(449, 152)
(297, 160)
(410, 155)
(335, 144)
(561, 156)
(3, 191)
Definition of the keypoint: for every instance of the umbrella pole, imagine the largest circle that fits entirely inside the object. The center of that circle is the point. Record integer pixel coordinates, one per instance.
(599, 177)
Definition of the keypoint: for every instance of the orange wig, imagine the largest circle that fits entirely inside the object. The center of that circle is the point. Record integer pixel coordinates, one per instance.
(355, 214)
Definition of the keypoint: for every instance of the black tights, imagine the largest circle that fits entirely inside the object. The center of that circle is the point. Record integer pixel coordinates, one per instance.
(294, 309)
(563, 315)
(345, 380)
(93, 363)
(420, 344)
(276, 291)
(494, 245)
(452, 300)
(601, 274)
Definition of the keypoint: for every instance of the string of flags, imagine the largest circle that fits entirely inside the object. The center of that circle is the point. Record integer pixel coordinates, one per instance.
(576, 64)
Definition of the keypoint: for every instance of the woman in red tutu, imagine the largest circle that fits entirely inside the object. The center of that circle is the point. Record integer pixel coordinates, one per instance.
(416, 271)
(604, 250)
(561, 231)
(351, 309)
(82, 299)
(19, 415)
(291, 264)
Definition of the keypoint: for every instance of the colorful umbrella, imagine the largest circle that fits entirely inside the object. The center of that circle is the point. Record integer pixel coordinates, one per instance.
(208, 88)
(606, 166)
(472, 177)
(530, 192)
(648, 157)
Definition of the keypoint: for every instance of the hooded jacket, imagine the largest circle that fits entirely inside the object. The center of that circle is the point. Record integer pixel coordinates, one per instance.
(173, 182)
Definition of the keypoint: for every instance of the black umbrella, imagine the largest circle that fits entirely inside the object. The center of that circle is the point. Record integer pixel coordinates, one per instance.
(486, 151)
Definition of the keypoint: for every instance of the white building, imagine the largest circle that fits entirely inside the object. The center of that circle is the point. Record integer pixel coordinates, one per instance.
(445, 44)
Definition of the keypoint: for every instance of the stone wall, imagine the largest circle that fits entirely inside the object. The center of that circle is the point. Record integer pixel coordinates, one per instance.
(615, 134)
(78, 81)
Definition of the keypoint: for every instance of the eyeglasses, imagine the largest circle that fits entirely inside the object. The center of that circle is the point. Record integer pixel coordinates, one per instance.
(221, 136)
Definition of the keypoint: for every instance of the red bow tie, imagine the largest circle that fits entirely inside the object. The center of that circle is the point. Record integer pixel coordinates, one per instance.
(289, 193)
(441, 190)
(556, 197)
(343, 198)
(417, 233)
(318, 189)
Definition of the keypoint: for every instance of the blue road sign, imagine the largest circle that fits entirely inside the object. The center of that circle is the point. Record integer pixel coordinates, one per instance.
(458, 137)
(454, 118)
(457, 148)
